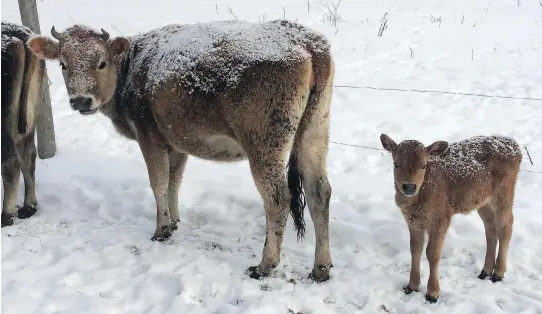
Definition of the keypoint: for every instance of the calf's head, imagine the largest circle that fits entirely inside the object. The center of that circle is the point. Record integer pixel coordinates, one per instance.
(410, 159)
(89, 61)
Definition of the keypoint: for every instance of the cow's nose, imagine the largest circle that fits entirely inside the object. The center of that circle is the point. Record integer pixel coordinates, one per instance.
(81, 103)
(409, 188)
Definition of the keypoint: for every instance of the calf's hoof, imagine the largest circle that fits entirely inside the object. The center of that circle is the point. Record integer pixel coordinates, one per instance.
(495, 278)
(163, 235)
(320, 273)
(409, 290)
(483, 275)
(27, 211)
(7, 220)
(431, 299)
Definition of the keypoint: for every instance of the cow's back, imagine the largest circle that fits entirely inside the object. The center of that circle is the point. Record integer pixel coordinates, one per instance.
(213, 57)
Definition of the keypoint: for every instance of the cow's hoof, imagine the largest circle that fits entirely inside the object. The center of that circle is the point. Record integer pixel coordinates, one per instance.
(163, 235)
(173, 226)
(7, 220)
(431, 299)
(27, 211)
(408, 290)
(495, 278)
(255, 272)
(483, 275)
(320, 273)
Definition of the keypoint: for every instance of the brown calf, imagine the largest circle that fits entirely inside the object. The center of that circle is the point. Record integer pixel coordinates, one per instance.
(436, 182)
(222, 91)
(22, 74)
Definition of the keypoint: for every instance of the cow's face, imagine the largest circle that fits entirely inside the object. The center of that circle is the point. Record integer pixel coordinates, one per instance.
(89, 62)
(410, 159)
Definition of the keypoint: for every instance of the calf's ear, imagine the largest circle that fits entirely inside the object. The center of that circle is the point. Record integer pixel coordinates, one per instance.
(387, 143)
(43, 47)
(119, 47)
(437, 148)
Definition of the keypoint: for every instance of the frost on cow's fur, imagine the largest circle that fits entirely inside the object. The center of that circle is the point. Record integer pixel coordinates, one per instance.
(209, 57)
(11, 28)
(467, 158)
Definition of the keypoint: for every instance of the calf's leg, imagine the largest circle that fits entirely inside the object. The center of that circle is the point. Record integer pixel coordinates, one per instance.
(434, 250)
(416, 249)
(488, 217)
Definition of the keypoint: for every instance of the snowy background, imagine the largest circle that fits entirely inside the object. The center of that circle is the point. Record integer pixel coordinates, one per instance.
(88, 249)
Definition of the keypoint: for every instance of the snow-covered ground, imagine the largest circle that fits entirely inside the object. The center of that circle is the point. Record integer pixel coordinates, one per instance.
(88, 249)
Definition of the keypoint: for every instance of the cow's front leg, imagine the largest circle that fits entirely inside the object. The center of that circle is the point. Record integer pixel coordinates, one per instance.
(157, 160)
(177, 162)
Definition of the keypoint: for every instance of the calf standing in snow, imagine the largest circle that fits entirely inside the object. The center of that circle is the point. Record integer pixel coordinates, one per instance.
(436, 182)
(22, 74)
(221, 91)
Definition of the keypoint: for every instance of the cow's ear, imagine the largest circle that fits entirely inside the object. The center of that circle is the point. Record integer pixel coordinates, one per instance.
(119, 47)
(387, 143)
(437, 148)
(43, 47)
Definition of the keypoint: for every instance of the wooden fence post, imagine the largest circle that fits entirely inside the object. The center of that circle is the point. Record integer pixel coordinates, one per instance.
(45, 128)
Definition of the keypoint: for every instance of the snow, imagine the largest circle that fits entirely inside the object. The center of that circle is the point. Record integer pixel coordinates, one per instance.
(469, 158)
(88, 249)
(13, 28)
(224, 48)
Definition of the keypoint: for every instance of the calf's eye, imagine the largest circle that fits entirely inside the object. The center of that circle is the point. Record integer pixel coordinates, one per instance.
(395, 165)
(102, 65)
(424, 166)
(63, 66)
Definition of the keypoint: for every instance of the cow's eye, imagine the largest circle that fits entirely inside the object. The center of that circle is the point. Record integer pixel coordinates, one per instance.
(102, 65)
(63, 66)
(424, 166)
(395, 165)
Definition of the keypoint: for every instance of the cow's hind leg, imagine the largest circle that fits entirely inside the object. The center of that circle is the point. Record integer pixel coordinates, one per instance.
(157, 161)
(27, 150)
(311, 148)
(270, 181)
(177, 162)
(11, 169)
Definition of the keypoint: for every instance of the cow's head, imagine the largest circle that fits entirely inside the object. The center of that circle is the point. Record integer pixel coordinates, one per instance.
(89, 61)
(410, 159)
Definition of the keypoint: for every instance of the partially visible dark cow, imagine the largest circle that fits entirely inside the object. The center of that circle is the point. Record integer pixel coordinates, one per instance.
(222, 91)
(22, 74)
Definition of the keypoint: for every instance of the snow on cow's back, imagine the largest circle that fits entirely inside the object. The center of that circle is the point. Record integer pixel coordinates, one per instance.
(211, 56)
(469, 158)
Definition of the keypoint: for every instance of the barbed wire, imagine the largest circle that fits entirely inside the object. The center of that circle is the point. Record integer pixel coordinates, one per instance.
(415, 91)
(383, 150)
(435, 92)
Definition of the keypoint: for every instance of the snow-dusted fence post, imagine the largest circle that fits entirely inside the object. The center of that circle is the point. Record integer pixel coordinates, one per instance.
(45, 128)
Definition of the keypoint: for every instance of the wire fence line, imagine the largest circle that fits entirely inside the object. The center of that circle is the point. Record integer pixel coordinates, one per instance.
(414, 91)
(436, 92)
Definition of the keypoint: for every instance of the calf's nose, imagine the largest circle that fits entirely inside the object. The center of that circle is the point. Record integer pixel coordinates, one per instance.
(409, 188)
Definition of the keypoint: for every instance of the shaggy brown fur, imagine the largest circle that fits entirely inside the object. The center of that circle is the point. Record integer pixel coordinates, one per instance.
(222, 91)
(436, 182)
(22, 74)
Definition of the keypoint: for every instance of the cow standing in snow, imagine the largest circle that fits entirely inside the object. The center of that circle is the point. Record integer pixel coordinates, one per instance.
(222, 91)
(22, 74)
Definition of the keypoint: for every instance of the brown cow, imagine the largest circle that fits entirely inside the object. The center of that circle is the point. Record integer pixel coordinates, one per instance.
(22, 75)
(436, 182)
(221, 91)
